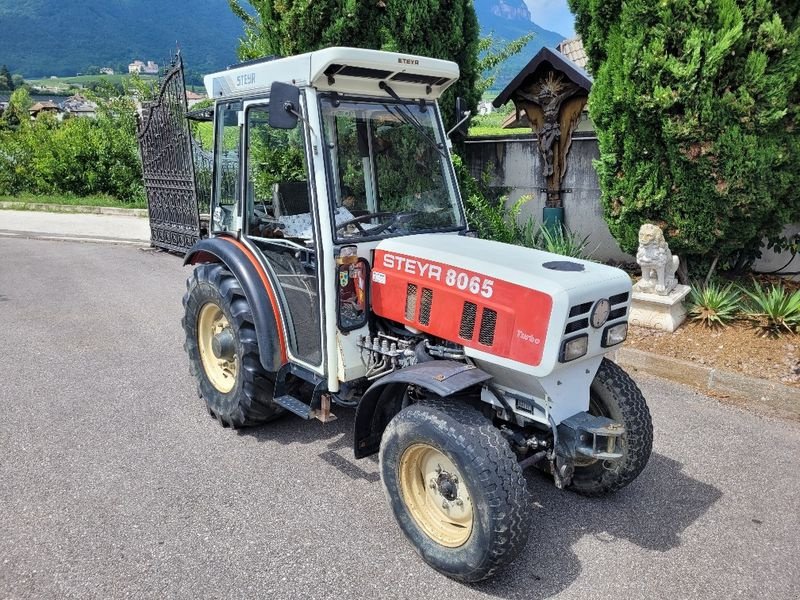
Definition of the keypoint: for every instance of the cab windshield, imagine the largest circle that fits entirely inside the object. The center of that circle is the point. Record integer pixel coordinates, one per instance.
(392, 172)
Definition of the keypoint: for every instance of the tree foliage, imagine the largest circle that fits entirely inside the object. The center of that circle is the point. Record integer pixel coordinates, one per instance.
(79, 156)
(6, 81)
(696, 103)
(446, 29)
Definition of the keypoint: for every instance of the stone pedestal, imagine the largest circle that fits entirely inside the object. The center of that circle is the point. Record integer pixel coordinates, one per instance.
(654, 311)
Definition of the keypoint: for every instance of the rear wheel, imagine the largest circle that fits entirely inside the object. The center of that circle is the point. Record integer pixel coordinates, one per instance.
(223, 349)
(455, 488)
(615, 395)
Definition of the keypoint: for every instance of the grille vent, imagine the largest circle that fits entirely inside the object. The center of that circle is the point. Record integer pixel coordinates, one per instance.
(617, 313)
(576, 325)
(619, 298)
(467, 329)
(488, 324)
(411, 301)
(580, 309)
(425, 306)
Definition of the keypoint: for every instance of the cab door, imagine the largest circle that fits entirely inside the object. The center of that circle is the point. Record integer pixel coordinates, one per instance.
(279, 223)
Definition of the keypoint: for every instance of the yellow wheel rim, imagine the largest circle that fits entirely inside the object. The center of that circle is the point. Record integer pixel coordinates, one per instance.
(436, 495)
(220, 370)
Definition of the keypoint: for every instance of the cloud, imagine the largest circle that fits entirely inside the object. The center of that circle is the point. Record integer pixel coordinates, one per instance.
(553, 15)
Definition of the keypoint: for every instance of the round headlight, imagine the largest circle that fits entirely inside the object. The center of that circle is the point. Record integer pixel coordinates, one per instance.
(600, 313)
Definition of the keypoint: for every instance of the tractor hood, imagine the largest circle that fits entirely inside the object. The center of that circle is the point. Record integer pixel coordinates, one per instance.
(501, 302)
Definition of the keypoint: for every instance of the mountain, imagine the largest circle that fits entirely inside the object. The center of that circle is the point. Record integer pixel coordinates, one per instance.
(508, 20)
(39, 38)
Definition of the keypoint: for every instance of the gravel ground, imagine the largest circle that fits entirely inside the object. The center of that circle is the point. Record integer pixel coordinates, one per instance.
(115, 483)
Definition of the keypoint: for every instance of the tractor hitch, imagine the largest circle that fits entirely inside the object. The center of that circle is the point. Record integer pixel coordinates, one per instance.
(582, 439)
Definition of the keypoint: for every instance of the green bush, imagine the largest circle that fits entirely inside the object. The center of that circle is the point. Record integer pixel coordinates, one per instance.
(713, 304)
(79, 156)
(773, 311)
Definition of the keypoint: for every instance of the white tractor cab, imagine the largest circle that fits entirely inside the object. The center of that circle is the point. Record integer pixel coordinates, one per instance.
(339, 272)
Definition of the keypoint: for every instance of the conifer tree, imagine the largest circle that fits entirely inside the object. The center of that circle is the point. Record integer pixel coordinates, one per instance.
(696, 104)
(6, 81)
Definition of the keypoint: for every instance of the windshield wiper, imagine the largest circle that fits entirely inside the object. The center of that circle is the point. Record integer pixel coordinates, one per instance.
(405, 115)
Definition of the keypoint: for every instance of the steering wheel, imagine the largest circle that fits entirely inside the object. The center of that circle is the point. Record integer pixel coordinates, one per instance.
(357, 221)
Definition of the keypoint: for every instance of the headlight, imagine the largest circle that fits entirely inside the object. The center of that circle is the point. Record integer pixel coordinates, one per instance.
(600, 313)
(574, 348)
(615, 334)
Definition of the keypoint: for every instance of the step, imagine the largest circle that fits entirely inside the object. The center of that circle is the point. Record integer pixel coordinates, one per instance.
(295, 405)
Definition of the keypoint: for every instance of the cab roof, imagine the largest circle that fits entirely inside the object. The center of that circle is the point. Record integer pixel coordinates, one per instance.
(344, 70)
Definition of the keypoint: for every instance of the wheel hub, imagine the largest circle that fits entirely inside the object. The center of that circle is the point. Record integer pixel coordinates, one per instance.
(223, 344)
(447, 485)
(216, 343)
(435, 495)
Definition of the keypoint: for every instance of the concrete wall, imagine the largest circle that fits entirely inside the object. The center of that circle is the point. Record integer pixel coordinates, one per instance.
(514, 163)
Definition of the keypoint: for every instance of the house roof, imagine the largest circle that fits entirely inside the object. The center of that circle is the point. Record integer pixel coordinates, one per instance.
(46, 105)
(78, 103)
(573, 49)
(190, 95)
(547, 57)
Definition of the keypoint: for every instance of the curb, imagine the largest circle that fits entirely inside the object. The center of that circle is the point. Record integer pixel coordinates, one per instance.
(63, 237)
(74, 208)
(776, 396)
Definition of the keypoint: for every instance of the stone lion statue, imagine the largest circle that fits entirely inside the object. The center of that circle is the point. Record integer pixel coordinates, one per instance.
(657, 263)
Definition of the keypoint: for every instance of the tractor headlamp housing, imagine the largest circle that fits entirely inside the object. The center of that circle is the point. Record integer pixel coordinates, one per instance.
(574, 348)
(615, 334)
(600, 312)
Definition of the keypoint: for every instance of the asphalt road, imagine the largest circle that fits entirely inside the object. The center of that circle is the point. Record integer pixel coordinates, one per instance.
(115, 483)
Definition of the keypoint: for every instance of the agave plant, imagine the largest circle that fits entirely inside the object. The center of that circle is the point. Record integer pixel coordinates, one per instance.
(774, 311)
(713, 304)
(562, 241)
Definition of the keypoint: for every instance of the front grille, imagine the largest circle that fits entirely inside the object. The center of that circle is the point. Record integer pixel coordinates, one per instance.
(576, 325)
(425, 306)
(488, 324)
(580, 309)
(411, 301)
(467, 328)
(617, 313)
(619, 298)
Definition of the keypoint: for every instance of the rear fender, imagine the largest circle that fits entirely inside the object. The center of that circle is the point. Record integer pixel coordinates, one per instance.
(253, 279)
(384, 399)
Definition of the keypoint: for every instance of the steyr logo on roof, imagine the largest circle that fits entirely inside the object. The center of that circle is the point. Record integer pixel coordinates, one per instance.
(408, 61)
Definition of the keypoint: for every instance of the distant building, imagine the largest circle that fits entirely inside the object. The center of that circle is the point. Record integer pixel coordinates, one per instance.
(149, 68)
(106, 71)
(44, 107)
(485, 107)
(193, 98)
(78, 106)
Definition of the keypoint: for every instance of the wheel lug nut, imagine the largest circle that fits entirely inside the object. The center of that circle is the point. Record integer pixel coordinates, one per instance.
(445, 504)
(433, 484)
(459, 502)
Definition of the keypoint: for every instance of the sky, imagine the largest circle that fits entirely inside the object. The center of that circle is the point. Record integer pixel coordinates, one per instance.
(553, 15)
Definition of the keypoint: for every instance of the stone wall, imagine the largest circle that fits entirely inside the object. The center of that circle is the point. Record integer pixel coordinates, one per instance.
(513, 162)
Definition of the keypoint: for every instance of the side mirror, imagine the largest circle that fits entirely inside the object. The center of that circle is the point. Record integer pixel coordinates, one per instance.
(463, 117)
(284, 105)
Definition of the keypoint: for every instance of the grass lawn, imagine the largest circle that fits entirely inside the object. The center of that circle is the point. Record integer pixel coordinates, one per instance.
(107, 201)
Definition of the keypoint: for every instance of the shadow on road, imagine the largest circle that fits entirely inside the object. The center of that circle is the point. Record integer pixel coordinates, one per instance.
(651, 513)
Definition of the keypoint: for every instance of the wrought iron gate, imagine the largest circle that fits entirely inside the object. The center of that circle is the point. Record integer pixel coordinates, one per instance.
(165, 145)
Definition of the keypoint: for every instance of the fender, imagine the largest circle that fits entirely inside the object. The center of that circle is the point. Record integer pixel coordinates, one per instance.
(383, 400)
(253, 279)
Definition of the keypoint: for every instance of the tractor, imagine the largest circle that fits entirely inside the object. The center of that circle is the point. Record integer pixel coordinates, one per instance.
(340, 272)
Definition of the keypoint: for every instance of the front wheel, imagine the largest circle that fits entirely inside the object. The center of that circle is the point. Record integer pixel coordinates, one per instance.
(223, 349)
(455, 488)
(616, 396)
